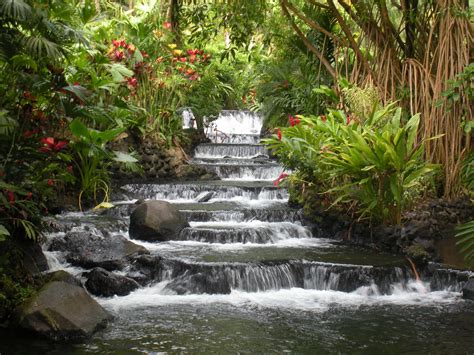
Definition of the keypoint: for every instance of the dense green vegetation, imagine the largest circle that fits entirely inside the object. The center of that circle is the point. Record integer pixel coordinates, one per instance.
(377, 95)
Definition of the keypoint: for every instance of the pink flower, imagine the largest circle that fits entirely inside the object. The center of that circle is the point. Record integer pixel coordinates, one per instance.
(182, 59)
(167, 25)
(278, 180)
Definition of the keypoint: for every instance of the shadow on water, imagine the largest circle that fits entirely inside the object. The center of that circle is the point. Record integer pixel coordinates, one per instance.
(449, 253)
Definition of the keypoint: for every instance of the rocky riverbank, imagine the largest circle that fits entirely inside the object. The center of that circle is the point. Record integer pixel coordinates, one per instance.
(430, 222)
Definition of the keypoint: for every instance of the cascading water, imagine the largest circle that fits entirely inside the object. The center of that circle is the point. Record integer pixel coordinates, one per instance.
(249, 276)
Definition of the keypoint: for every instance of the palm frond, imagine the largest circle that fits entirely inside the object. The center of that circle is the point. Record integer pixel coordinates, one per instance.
(16, 10)
(39, 46)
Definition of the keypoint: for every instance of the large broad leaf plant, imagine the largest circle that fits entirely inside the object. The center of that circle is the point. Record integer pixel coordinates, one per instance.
(372, 164)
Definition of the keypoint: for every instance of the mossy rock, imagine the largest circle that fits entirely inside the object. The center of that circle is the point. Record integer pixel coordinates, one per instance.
(417, 252)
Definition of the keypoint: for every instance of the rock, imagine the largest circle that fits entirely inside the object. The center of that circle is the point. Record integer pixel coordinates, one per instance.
(156, 221)
(92, 248)
(101, 282)
(427, 244)
(417, 252)
(205, 196)
(61, 311)
(468, 290)
(34, 259)
(63, 276)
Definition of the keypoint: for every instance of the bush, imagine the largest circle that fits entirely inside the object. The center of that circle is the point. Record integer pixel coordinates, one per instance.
(373, 165)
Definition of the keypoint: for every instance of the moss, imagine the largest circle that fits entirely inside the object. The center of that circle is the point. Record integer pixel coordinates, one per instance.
(417, 252)
(16, 284)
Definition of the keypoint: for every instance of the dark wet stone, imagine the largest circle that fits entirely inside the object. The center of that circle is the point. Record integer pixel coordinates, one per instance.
(101, 282)
(468, 290)
(90, 249)
(156, 221)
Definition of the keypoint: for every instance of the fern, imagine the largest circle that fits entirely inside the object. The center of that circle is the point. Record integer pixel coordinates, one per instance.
(465, 236)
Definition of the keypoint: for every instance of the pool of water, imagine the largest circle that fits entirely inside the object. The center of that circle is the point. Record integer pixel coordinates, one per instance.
(212, 325)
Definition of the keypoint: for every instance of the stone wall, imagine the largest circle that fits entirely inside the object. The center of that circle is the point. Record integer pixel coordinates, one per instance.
(159, 164)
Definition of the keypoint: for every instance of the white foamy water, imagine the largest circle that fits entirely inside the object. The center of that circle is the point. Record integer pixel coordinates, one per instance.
(190, 245)
(235, 122)
(294, 298)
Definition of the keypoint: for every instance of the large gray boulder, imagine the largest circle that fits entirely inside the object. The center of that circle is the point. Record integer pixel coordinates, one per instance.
(468, 290)
(156, 221)
(101, 282)
(93, 248)
(61, 310)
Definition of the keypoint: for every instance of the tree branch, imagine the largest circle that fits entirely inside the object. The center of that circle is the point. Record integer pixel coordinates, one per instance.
(307, 43)
(348, 33)
(310, 22)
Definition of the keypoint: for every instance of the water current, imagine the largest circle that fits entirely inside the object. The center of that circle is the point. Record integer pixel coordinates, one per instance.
(248, 276)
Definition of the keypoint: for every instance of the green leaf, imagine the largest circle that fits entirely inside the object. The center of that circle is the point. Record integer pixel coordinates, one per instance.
(124, 157)
(119, 71)
(104, 205)
(79, 129)
(3, 233)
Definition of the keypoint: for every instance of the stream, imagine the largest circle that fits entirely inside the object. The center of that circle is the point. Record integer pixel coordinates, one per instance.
(248, 276)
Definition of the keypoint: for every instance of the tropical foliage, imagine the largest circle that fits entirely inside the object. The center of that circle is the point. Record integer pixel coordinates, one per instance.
(372, 164)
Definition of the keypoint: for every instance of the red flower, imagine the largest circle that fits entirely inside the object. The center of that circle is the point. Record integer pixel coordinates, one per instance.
(182, 59)
(118, 55)
(190, 71)
(45, 149)
(116, 43)
(60, 145)
(324, 118)
(193, 59)
(28, 134)
(159, 59)
(348, 119)
(29, 196)
(167, 25)
(69, 169)
(131, 48)
(27, 95)
(144, 54)
(133, 82)
(11, 197)
(279, 133)
(49, 141)
(49, 144)
(278, 180)
(50, 182)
